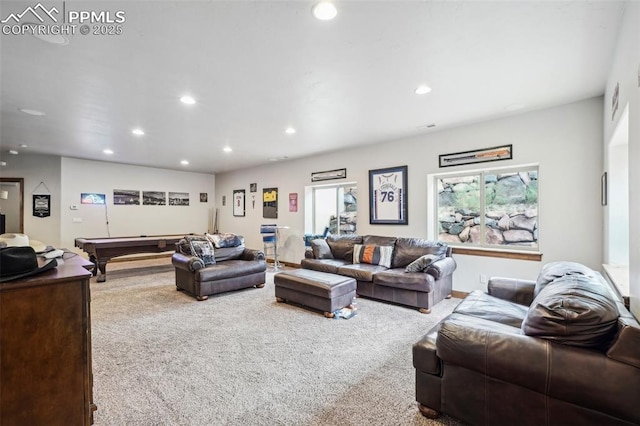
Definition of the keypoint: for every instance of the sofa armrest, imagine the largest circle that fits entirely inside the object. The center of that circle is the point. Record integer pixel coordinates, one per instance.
(505, 354)
(442, 268)
(511, 289)
(251, 254)
(308, 253)
(187, 263)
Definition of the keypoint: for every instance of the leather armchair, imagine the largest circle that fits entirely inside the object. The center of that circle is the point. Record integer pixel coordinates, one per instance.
(235, 268)
(504, 357)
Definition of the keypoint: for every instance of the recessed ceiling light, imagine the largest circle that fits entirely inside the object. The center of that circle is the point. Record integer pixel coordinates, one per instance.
(49, 38)
(31, 111)
(290, 130)
(24, 145)
(189, 100)
(13, 152)
(184, 162)
(227, 149)
(421, 90)
(107, 151)
(138, 132)
(3, 163)
(514, 107)
(324, 11)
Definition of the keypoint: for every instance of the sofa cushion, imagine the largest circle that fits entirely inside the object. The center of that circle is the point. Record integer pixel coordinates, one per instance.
(554, 270)
(482, 305)
(360, 271)
(398, 278)
(421, 263)
(225, 240)
(372, 254)
(342, 246)
(202, 248)
(321, 249)
(409, 249)
(229, 253)
(575, 310)
(229, 269)
(379, 240)
(323, 265)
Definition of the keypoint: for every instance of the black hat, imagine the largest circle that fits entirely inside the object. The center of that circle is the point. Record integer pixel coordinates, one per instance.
(21, 262)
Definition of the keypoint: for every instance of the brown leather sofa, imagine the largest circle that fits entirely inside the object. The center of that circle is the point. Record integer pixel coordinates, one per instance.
(421, 289)
(236, 268)
(561, 350)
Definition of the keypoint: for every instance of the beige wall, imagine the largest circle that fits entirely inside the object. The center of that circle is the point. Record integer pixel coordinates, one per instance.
(565, 141)
(35, 169)
(95, 176)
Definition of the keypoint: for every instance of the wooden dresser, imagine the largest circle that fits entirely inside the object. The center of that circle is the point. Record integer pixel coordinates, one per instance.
(45, 348)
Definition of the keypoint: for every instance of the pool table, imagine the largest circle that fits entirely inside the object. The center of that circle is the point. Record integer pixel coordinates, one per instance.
(102, 250)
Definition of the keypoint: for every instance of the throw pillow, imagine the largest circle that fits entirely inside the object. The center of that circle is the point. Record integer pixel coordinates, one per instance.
(225, 240)
(421, 263)
(574, 310)
(321, 249)
(202, 248)
(372, 254)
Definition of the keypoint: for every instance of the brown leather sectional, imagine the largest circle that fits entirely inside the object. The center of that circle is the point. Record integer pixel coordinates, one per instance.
(561, 350)
(420, 290)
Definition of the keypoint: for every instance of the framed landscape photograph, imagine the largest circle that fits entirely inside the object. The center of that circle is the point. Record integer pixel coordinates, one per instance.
(238, 202)
(154, 198)
(388, 196)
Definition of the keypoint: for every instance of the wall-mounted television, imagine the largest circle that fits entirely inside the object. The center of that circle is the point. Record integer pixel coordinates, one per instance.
(92, 198)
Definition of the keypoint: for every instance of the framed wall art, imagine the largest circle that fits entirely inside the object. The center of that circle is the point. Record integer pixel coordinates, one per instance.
(154, 198)
(388, 196)
(329, 175)
(496, 153)
(238, 202)
(270, 203)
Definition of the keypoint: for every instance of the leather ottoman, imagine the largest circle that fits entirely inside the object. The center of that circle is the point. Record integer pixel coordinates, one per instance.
(318, 290)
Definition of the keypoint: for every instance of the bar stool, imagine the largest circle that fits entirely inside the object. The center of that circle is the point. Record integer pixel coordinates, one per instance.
(270, 243)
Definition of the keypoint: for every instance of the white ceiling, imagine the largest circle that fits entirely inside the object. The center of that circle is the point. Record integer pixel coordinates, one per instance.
(256, 67)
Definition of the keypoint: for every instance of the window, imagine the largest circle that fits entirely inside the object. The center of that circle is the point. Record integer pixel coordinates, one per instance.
(493, 208)
(333, 207)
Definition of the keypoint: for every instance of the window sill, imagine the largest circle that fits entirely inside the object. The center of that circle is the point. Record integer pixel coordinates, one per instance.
(619, 276)
(504, 254)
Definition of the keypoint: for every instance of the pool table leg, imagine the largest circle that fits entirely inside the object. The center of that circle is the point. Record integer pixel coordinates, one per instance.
(93, 260)
(102, 266)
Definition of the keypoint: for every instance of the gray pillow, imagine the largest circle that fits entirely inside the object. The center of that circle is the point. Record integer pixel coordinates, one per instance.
(321, 249)
(421, 263)
(225, 240)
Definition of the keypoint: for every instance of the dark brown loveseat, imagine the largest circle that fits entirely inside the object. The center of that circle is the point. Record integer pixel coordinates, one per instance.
(562, 350)
(421, 289)
(236, 267)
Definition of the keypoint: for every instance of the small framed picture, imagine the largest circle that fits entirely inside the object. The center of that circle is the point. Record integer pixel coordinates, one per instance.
(204, 197)
(253, 187)
(238, 202)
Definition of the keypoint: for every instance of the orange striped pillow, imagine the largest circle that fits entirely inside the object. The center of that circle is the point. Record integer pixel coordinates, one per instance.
(372, 254)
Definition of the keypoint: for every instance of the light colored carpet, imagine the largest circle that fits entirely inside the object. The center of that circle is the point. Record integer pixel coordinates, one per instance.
(162, 358)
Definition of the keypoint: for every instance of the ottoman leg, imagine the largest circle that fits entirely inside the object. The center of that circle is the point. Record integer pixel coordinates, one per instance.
(279, 299)
(329, 314)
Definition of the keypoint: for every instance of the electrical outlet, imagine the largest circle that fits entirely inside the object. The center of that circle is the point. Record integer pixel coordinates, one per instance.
(483, 279)
(76, 220)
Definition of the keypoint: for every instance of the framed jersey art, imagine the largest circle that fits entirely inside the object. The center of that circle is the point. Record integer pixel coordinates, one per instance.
(388, 196)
